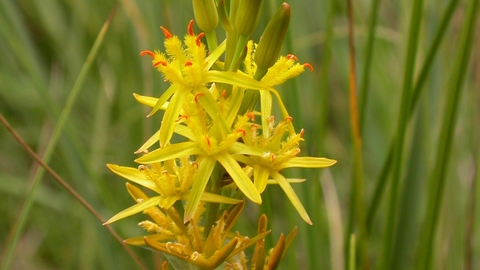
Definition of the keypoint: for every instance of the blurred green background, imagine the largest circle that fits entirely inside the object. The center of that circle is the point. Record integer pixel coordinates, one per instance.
(43, 45)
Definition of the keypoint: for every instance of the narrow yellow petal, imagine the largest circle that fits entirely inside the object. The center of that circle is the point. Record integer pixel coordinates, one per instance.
(151, 141)
(170, 151)
(239, 177)
(292, 196)
(205, 168)
(260, 177)
(139, 207)
(266, 108)
(171, 114)
(134, 175)
(163, 98)
(308, 162)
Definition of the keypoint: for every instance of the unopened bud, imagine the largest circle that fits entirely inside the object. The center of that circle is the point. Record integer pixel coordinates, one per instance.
(206, 15)
(271, 41)
(247, 16)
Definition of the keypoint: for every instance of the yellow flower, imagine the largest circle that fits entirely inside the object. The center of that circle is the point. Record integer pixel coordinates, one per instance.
(188, 69)
(280, 150)
(170, 180)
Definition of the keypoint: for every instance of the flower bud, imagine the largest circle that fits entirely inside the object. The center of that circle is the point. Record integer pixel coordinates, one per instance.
(271, 41)
(247, 16)
(206, 15)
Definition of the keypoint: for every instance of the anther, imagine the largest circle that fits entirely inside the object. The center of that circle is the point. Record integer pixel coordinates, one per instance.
(297, 151)
(197, 96)
(190, 28)
(242, 131)
(288, 119)
(208, 140)
(199, 37)
(251, 115)
(147, 52)
(166, 33)
(273, 157)
(163, 63)
(224, 94)
(141, 168)
(181, 117)
(307, 65)
(188, 63)
(302, 132)
(291, 56)
(165, 172)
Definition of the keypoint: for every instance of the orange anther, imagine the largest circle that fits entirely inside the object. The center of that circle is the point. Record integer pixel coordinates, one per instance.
(291, 56)
(208, 140)
(188, 63)
(273, 157)
(288, 119)
(198, 41)
(224, 94)
(307, 65)
(163, 63)
(242, 131)
(251, 115)
(195, 164)
(297, 151)
(190, 28)
(165, 172)
(254, 126)
(302, 132)
(197, 96)
(166, 33)
(181, 117)
(147, 52)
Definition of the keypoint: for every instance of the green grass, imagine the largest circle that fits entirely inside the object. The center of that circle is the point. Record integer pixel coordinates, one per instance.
(433, 171)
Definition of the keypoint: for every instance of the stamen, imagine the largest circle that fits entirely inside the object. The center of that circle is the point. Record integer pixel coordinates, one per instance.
(141, 168)
(197, 96)
(242, 130)
(166, 33)
(288, 119)
(307, 65)
(181, 117)
(291, 56)
(273, 157)
(190, 28)
(195, 164)
(188, 63)
(163, 63)
(302, 132)
(147, 52)
(224, 94)
(198, 41)
(208, 140)
(165, 172)
(297, 151)
(251, 115)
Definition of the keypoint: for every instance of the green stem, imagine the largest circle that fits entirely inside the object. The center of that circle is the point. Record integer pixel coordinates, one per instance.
(364, 91)
(400, 134)
(438, 179)
(418, 90)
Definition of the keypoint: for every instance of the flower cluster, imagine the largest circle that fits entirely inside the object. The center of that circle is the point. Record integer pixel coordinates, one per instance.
(211, 104)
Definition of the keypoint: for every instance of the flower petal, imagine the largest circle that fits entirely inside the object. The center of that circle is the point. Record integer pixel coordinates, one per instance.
(234, 78)
(205, 168)
(260, 177)
(171, 114)
(266, 108)
(239, 177)
(170, 151)
(151, 141)
(292, 196)
(134, 175)
(139, 207)
(308, 162)
(149, 101)
(163, 98)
